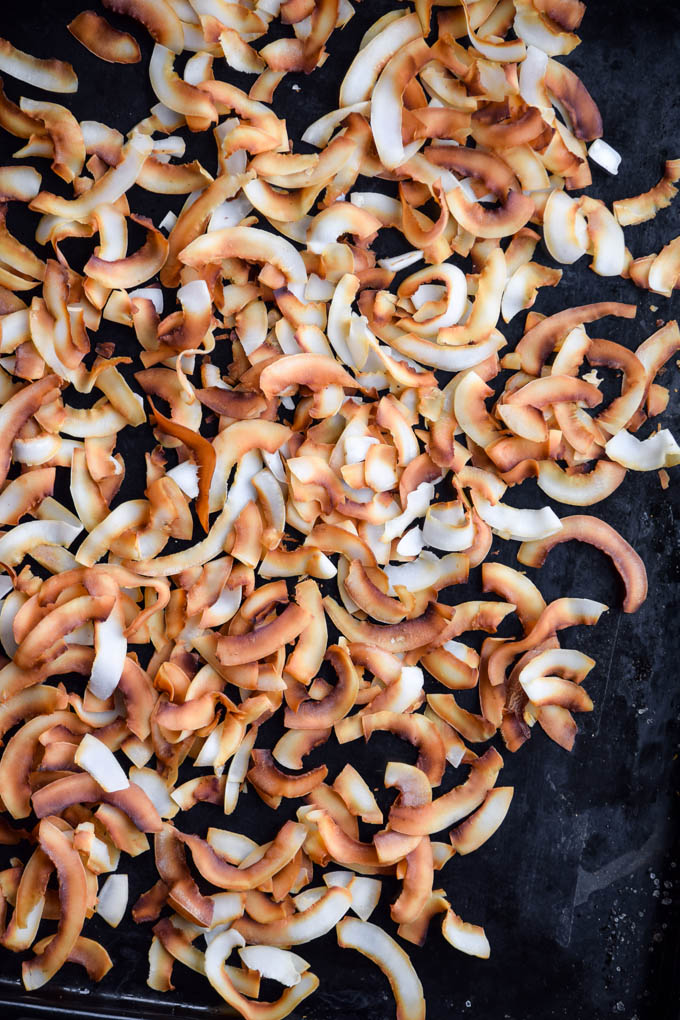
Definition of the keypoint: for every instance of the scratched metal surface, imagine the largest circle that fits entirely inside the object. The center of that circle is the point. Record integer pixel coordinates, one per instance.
(579, 889)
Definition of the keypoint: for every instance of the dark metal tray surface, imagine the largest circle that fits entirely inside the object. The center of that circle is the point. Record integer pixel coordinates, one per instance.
(579, 888)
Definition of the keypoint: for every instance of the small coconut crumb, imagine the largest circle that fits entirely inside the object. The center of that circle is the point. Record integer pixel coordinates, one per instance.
(664, 478)
(296, 88)
(592, 377)
(511, 361)
(168, 221)
(654, 308)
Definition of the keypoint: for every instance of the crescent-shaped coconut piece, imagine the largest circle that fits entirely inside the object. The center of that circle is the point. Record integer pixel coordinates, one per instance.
(374, 943)
(237, 649)
(606, 240)
(181, 891)
(272, 783)
(51, 75)
(366, 66)
(659, 450)
(101, 38)
(563, 612)
(486, 308)
(478, 827)
(157, 16)
(516, 588)
(417, 730)
(565, 229)
(467, 938)
(619, 412)
(46, 639)
(567, 87)
(17, 410)
(65, 133)
(86, 952)
(204, 453)
(82, 789)
(298, 928)
(387, 100)
(454, 281)
(487, 167)
(519, 524)
(107, 189)
(370, 598)
(470, 410)
(554, 389)
(135, 269)
(506, 219)
(252, 245)
(223, 980)
(537, 344)
(522, 288)
(568, 663)
(337, 219)
(19, 183)
(216, 870)
(325, 712)
(453, 806)
(73, 900)
(399, 637)
(640, 208)
(314, 371)
(580, 489)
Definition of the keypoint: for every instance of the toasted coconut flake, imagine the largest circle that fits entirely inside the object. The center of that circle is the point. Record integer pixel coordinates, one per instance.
(107, 189)
(400, 637)
(174, 92)
(19, 183)
(641, 208)
(73, 902)
(603, 536)
(250, 244)
(106, 42)
(580, 489)
(564, 228)
(299, 928)
(379, 947)
(216, 870)
(65, 134)
(482, 823)
(658, 451)
(81, 788)
(538, 342)
(386, 100)
(364, 70)
(219, 950)
(357, 795)
(157, 16)
(234, 650)
(51, 75)
(521, 289)
(96, 758)
(205, 455)
(453, 806)
(512, 523)
(275, 964)
(132, 270)
(112, 899)
(468, 938)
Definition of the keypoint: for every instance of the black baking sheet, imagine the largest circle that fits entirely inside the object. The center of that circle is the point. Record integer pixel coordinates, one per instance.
(579, 889)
